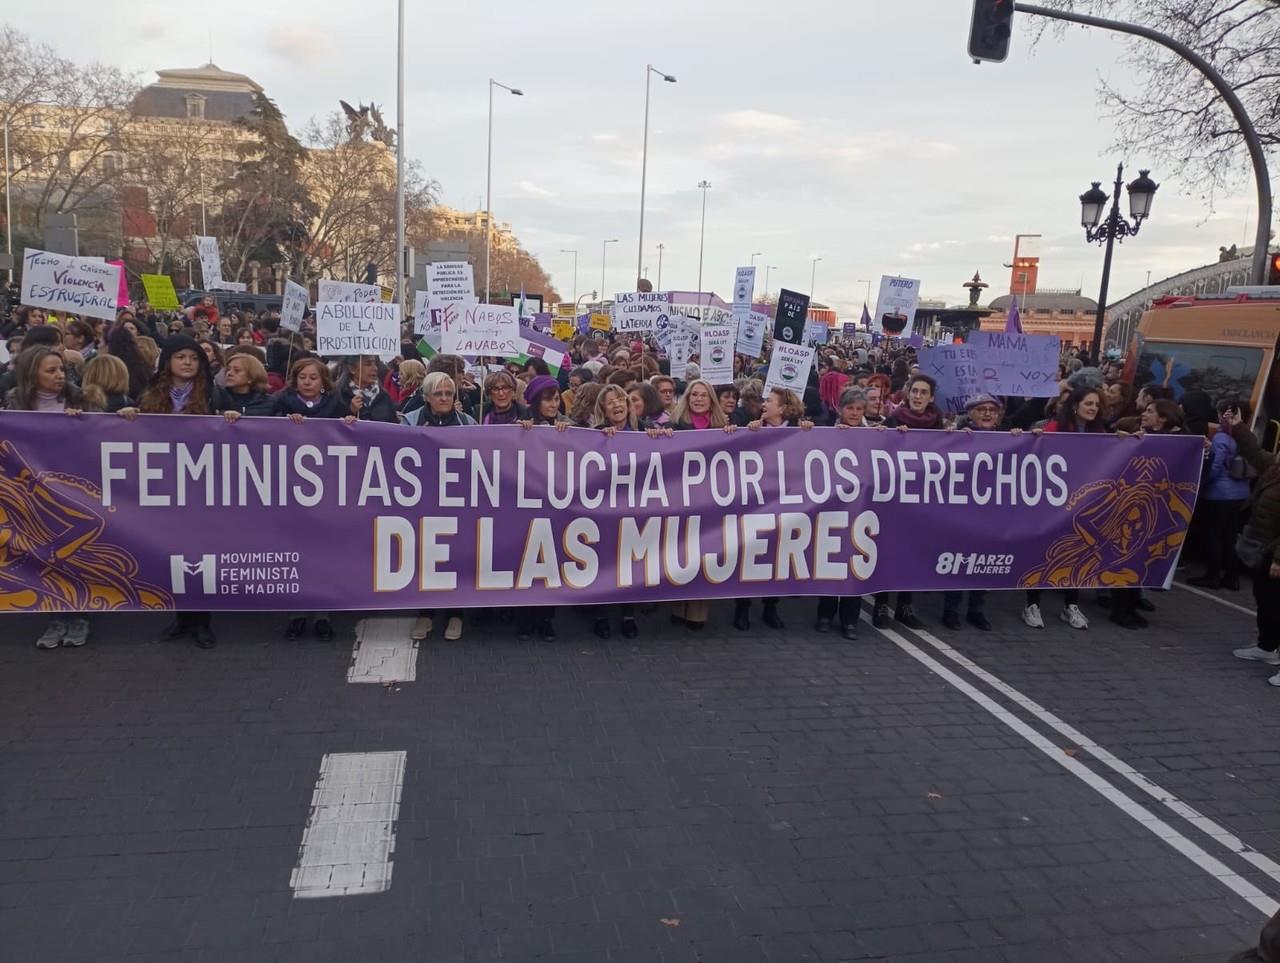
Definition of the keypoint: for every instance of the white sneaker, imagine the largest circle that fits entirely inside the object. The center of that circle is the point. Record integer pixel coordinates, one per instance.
(453, 631)
(421, 628)
(77, 633)
(1252, 654)
(1031, 615)
(1275, 680)
(53, 635)
(1074, 617)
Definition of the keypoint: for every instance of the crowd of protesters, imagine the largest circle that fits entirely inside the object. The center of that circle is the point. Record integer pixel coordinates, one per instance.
(238, 364)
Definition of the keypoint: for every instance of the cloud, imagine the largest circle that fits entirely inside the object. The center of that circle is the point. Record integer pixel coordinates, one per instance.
(759, 121)
(301, 45)
(604, 138)
(533, 190)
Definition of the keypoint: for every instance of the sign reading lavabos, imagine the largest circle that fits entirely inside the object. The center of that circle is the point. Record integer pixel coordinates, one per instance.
(1017, 365)
(480, 329)
(716, 353)
(789, 367)
(330, 290)
(896, 306)
(637, 312)
(293, 307)
(349, 328)
(61, 282)
(451, 282)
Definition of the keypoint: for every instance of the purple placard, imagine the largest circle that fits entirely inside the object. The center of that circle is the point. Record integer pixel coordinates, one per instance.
(195, 513)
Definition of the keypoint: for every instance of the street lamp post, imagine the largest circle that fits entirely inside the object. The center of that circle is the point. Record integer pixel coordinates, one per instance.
(755, 255)
(702, 236)
(660, 246)
(400, 245)
(1115, 228)
(649, 71)
(575, 271)
(604, 255)
(488, 186)
(813, 274)
(767, 269)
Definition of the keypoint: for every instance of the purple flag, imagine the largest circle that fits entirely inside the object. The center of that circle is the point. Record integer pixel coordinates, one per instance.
(865, 320)
(1013, 324)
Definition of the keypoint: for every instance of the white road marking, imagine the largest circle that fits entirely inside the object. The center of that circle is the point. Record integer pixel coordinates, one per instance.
(1219, 834)
(1147, 819)
(351, 830)
(384, 652)
(1215, 598)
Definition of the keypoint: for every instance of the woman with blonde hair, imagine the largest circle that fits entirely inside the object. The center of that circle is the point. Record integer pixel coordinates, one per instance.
(106, 384)
(149, 350)
(613, 411)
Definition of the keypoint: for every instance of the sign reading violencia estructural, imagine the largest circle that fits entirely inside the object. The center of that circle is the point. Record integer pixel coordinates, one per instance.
(506, 516)
(62, 282)
(348, 328)
(637, 312)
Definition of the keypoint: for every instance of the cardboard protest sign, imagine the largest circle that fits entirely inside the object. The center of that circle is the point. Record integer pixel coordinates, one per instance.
(61, 282)
(955, 368)
(816, 332)
(849, 329)
(348, 328)
(788, 320)
(122, 299)
(896, 306)
(716, 353)
(683, 344)
(330, 290)
(744, 287)
(480, 329)
(293, 307)
(562, 330)
(160, 292)
(601, 322)
(1020, 365)
(636, 312)
(210, 262)
(751, 328)
(789, 367)
(451, 281)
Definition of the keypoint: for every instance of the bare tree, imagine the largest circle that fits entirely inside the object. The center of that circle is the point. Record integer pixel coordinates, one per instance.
(1174, 114)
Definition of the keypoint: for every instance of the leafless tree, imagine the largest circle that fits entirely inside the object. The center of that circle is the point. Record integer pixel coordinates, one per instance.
(1173, 114)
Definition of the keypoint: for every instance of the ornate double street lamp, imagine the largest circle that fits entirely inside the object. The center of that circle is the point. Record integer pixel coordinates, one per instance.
(1115, 228)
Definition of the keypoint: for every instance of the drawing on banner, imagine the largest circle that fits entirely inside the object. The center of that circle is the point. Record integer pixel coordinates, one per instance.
(751, 328)
(294, 306)
(788, 320)
(480, 329)
(62, 282)
(451, 282)
(789, 367)
(716, 353)
(636, 312)
(349, 328)
(896, 306)
(330, 290)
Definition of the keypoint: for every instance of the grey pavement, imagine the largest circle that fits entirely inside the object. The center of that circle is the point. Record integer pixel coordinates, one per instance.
(763, 796)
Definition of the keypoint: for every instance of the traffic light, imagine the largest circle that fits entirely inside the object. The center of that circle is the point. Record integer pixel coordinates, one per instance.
(990, 31)
(1273, 270)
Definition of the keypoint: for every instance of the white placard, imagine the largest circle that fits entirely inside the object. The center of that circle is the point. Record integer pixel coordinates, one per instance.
(293, 307)
(789, 367)
(744, 287)
(237, 287)
(751, 328)
(480, 329)
(451, 281)
(662, 332)
(61, 282)
(329, 290)
(637, 312)
(349, 328)
(716, 353)
(815, 332)
(899, 298)
(682, 344)
(421, 312)
(210, 262)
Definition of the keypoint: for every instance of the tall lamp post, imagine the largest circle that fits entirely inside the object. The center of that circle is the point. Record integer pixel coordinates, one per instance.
(702, 236)
(1115, 228)
(575, 271)
(649, 71)
(660, 246)
(755, 255)
(767, 269)
(488, 186)
(813, 274)
(604, 256)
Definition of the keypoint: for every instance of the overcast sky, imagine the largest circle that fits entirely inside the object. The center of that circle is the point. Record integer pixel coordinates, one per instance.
(854, 131)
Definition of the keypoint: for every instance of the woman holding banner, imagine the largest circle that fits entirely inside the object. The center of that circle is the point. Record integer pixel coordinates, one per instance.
(851, 410)
(359, 383)
(543, 398)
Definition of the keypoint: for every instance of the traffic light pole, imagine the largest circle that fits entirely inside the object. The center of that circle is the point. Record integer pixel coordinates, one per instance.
(1260, 174)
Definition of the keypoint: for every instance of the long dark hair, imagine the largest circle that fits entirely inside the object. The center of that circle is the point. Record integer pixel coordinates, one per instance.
(121, 343)
(1067, 418)
(158, 400)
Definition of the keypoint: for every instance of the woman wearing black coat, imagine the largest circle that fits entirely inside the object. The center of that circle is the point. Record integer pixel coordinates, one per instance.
(245, 387)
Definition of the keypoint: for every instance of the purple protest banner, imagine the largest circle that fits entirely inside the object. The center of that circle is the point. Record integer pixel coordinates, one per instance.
(99, 513)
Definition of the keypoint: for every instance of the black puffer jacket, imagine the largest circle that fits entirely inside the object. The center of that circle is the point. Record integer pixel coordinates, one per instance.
(1264, 519)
